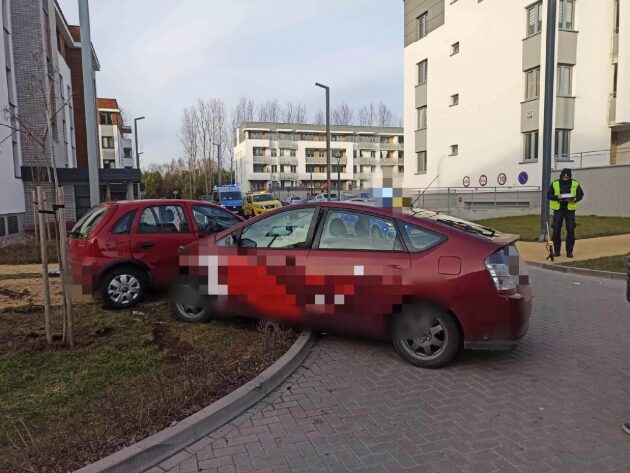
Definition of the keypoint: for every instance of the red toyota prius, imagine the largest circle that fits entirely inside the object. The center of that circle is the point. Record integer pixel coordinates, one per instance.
(429, 282)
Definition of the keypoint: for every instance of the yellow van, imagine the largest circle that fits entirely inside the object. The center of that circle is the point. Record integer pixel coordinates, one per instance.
(256, 203)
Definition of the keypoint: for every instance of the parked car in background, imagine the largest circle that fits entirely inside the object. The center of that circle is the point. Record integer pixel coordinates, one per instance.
(293, 200)
(228, 197)
(119, 249)
(429, 282)
(323, 197)
(257, 203)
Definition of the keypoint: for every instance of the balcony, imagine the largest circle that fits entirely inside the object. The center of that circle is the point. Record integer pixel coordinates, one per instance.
(389, 162)
(288, 176)
(262, 159)
(290, 160)
(614, 52)
(366, 161)
(316, 160)
(392, 146)
(363, 176)
(401, 161)
(285, 144)
(367, 145)
(612, 108)
(128, 163)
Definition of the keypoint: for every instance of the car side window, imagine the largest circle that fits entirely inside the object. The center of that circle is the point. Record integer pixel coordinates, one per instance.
(211, 220)
(282, 230)
(347, 230)
(163, 219)
(123, 225)
(420, 239)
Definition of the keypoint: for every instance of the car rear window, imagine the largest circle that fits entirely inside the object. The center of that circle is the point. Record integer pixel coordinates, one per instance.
(420, 239)
(88, 222)
(123, 225)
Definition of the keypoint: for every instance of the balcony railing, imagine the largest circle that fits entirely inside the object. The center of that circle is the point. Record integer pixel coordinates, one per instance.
(290, 160)
(389, 162)
(366, 161)
(614, 50)
(392, 146)
(262, 159)
(612, 109)
(583, 159)
(318, 160)
(288, 176)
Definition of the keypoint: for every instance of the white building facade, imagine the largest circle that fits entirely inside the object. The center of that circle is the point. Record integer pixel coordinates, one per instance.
(283, 156)
(474, 83)
(12, 205)
(116, 148)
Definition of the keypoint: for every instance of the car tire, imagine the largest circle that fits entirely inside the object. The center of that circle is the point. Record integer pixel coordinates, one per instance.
(426, 336)
(123, 287)
(190, 314)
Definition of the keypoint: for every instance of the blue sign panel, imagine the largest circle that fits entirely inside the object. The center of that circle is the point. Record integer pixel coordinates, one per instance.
(523, 178)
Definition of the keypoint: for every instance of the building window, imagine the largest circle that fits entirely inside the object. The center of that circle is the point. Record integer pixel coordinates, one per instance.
(292, 153)
(421, 164)
(274, 152)
(455, 48)
(534, 19)
(530, 147)
(454, 100)
(274, 168)
(423, 71)
(563, 144)
(532, 84)
(423, 25)
(108, 164)
(2, 229)
(566, 15)
(565, 74)
(106, 118)
(12, 225)
(454, 150)
(422, 118)
(258, 152)
(108, 142)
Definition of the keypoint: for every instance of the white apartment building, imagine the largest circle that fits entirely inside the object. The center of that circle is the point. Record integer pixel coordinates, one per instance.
(474, 84)
(12, 206)
(116, 147)
(280, 156)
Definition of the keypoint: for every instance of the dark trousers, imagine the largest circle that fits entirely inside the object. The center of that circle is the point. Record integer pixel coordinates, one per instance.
(558, 217)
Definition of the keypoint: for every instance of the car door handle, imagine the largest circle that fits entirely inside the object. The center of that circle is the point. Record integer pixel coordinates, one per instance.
(147, 244)
(397, 266)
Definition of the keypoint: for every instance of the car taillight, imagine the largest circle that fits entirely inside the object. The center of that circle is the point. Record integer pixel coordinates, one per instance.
(498, 266)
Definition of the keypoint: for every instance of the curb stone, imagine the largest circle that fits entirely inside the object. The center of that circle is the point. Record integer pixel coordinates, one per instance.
(166, 443)
(579, 271)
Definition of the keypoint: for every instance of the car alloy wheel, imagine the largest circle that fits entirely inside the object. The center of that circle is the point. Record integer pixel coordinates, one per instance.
(426, 336)
(123, 289)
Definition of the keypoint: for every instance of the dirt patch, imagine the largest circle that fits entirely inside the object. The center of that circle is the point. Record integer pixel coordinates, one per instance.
(133, 374)
(17, 293)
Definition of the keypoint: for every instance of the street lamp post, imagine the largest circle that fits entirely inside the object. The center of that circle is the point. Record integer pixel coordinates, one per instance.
(327, 89)
(135, 135)
(550, 69)
(338, 177)
(218, 159)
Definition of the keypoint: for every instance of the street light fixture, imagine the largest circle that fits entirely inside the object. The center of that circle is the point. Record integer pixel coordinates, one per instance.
(327, 89)
(135, 135)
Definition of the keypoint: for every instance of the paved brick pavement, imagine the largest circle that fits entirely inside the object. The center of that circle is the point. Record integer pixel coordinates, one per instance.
(555, 404)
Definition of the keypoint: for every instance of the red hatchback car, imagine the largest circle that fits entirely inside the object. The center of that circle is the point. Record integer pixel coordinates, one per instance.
(429, 282)
(120, 248)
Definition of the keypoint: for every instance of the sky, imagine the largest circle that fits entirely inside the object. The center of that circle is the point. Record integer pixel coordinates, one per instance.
(159, 56)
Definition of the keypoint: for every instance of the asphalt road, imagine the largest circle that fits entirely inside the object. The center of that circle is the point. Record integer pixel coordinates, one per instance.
(554, 404)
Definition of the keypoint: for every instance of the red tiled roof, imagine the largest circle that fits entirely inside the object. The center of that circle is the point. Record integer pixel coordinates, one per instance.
(107, 103)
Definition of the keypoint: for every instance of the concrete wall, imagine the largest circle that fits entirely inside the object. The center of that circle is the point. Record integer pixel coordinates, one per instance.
(606, 190)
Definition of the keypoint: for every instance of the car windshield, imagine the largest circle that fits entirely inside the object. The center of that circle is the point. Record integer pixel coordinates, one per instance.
(465, 225)
(263, 198)
(88, 222)
(233, 195)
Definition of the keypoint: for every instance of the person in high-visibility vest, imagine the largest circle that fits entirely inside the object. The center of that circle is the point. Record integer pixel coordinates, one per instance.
(564, 195)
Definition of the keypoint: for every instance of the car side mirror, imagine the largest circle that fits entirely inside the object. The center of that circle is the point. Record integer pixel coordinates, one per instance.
(247, 243)
(281, 231)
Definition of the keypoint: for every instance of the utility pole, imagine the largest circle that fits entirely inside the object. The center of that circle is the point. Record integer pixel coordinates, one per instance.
(550, 69)
(89, 96)
(135, 135)
(327, 89)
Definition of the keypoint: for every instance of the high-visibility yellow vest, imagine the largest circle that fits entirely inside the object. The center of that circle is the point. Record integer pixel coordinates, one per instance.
(555, 204)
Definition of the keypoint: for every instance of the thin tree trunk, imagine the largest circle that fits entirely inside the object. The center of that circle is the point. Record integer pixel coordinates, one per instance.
(68, 334)
(35, 216)
(44, 253)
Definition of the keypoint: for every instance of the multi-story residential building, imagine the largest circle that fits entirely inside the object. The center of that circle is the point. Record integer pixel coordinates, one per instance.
(288, 155)
(114, 136)
(48, 68)
(474, 80)
(12, 202)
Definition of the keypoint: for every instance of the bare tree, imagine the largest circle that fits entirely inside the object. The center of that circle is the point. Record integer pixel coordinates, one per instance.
(384, 117)
(189, 137)
(289, 113)
(343, 115)
(320, 118)
(205, 141)
(243, 112)
(301, 114)
(269, 111)
(367, 115)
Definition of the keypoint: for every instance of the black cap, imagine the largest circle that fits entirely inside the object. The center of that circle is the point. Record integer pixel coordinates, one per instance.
(566, 172)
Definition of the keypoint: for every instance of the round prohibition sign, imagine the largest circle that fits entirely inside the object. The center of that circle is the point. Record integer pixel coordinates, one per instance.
(502, 179)
(483, 180)
(466, 181)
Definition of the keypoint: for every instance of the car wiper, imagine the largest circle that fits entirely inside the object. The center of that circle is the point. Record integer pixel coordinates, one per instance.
(488, 232)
